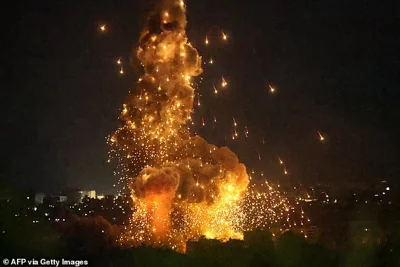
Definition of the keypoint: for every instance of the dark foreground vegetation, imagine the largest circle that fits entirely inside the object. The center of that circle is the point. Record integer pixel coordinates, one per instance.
(93, 239)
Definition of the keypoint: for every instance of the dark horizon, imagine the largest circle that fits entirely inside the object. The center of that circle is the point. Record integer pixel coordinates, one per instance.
(333, 64)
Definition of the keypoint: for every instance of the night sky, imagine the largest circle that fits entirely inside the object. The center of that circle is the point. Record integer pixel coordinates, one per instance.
(334, 65)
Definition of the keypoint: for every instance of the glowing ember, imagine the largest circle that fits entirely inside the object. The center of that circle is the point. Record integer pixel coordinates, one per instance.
(271, 89)
(181, 187)
(224, 36)
(223, 83)
(321, 137)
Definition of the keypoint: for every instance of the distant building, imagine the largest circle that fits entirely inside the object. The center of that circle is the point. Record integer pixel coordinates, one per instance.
(53, 200)
(100, 196)
(72, 194)
(89, 194)
(39, 198)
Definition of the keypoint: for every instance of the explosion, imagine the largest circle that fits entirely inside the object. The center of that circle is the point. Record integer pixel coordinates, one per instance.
(181, 187)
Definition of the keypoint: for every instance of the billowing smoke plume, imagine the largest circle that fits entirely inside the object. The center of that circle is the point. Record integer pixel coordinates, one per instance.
(181, 186)
(177, 181)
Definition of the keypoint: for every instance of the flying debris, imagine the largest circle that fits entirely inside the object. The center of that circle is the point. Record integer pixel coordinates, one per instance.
(206, 41)
(285, 172)
(224, 36)
(215, 90)
(223, 82)
(121, 71)
(102, 27)
(211, 61)
(271, 89)
(321, 137)
(234, 122)
(280, 160)
(119, 61)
